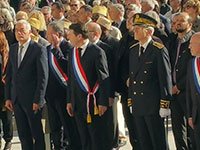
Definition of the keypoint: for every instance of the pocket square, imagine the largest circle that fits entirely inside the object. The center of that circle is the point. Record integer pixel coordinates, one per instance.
(148, 62)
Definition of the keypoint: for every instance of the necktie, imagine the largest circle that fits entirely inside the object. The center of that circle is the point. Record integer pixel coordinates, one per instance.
(141, 51)
(79, 52)
(177, 54)
(20, 55)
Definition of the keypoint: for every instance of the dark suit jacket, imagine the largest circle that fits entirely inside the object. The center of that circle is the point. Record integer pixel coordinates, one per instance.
(192, 95)
(183, 58)
(110, 60)
(94, 63)
(54, 88)
(27, 84)
(150, 78)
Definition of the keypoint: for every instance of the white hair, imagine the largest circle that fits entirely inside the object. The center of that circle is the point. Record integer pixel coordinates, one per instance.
(149, 3)
(152, 30)
(24, 22)
(119, 7)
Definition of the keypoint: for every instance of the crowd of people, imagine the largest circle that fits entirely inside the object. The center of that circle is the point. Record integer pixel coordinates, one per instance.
(68, 66)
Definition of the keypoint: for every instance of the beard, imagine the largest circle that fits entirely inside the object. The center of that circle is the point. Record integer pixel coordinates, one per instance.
(181, 30)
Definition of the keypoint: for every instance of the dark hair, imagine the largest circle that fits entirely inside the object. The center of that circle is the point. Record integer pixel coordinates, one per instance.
(58, 5)
(57, 27)
(79, 28)
(87, 8)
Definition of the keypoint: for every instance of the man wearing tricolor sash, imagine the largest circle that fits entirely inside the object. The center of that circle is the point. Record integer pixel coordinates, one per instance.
(193, 88)
(56, 91)
(88, 90)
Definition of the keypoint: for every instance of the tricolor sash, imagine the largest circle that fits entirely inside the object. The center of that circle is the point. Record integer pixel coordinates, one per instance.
(196, 72)
(57, 71)
(83, 83)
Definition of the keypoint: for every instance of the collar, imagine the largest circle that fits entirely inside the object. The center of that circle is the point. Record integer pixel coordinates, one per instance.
(187, 36)
(95, 42)
(84, 46)
(26, 43)
(146, 43)
(59, 19)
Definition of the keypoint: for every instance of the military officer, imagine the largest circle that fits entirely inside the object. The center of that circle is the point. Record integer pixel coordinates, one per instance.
(149, 84)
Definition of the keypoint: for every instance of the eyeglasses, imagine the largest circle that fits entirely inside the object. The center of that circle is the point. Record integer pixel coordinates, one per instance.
(187, 6)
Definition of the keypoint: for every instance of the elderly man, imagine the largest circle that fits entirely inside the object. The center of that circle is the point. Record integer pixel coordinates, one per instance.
(25, 86)
(192, 89)
(149, 84)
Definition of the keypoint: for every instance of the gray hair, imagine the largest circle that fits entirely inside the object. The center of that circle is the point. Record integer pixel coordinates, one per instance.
(24, 22)
(152, 30)
(57, 27)
(151, 3)
(119, 7)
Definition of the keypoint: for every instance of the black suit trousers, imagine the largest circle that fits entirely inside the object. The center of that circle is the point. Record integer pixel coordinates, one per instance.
(29, 127)
(58, 118)
(91, 134)
(151, 132)
(183, 134)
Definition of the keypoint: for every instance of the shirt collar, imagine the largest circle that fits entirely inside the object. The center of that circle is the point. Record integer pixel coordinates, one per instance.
(95, 42)
(26, 43)
(146, 43)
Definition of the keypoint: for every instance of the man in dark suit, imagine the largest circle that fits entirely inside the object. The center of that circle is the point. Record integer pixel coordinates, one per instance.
(149, 84)
(116, 12)
(192, 89)
(179, 57)
(88, 90)
(25, 86)
(56, 90)
(111, 124)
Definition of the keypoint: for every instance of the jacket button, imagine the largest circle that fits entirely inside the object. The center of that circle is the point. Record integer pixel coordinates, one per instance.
(145, 71)
(141, 82)
(134, 82)
(134, 93)
(131, 72)
(176, 70)
(142, 93)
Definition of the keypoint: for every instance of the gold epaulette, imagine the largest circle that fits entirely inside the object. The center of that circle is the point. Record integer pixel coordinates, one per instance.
(158, 45)
(164, 103)
(133, 45)
(129, 102)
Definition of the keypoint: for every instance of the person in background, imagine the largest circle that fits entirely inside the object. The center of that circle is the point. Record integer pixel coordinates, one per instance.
(46, 10)
(5, 114)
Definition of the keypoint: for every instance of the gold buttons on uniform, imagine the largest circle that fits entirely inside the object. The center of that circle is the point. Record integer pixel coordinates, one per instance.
(131, 72)
(141, 82)
(145, 71)
(142, 93)
(134, 82)
(134, 93)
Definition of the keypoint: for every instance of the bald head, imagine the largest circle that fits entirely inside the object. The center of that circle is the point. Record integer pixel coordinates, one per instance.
(94, 31)
(195, 44)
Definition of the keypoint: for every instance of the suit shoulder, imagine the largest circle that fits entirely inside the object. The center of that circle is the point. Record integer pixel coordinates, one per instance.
(158, 45)
(133, 45)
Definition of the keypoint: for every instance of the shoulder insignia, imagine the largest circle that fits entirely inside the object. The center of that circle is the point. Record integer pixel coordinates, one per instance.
(133, 45)
(158, 45)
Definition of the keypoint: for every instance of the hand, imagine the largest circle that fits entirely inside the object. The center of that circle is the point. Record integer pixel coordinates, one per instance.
(127, 82)
(69, 109)
(36, 106)
(175, 90)
(190, 122)
(164, 112)
(8, 105)
(102, 109)
(111, 101)
(55, 40)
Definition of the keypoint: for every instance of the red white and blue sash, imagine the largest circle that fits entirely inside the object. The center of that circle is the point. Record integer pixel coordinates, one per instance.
(196, 72)
(57, 71)
(83, 83)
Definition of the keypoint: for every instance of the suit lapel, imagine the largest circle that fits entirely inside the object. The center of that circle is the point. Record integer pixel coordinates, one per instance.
(16, 55)
(27, 54)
